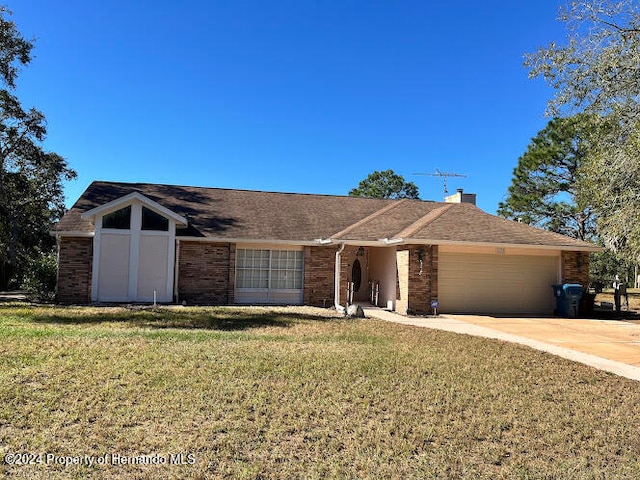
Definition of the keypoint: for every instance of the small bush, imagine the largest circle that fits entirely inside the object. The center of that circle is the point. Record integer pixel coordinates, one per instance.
(40, 277)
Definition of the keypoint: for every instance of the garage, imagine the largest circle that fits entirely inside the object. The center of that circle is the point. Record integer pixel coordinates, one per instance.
(497, 283)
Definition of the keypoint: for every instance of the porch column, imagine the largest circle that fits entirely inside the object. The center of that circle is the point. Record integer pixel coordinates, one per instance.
(417, 281)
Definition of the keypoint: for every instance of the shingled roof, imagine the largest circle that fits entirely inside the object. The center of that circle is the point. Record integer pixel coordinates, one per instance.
(218, 213)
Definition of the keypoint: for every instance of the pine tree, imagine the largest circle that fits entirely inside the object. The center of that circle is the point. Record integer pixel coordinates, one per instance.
(385, 184)
(544, 188)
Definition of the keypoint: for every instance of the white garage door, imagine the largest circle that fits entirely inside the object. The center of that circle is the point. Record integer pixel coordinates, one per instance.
(479, 283)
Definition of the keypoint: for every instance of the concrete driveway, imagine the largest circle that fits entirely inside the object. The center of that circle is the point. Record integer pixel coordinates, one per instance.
(611, 345)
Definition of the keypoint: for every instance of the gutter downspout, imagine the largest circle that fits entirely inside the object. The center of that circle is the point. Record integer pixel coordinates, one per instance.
(336, 292)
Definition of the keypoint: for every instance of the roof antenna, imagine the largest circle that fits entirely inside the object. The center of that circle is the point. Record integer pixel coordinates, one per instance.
(442, 175)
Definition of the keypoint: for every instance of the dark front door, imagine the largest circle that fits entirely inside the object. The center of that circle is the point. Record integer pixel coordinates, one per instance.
(356, 275)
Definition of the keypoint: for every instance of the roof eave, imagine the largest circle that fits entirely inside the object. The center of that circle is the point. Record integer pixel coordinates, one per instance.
(318, 242)
(572, 248)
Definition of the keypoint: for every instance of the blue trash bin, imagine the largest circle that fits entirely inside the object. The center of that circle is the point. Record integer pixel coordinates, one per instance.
(568, 297)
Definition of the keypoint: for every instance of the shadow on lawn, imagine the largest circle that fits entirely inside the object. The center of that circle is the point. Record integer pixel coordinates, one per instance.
(164, 318)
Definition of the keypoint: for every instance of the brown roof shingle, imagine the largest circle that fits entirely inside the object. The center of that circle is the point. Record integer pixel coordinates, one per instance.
(254, 215)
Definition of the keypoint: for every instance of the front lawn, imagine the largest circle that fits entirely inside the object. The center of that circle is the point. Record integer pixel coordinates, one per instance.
(286, 393)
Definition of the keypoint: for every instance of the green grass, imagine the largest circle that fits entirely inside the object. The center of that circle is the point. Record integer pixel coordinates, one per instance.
(277, 393)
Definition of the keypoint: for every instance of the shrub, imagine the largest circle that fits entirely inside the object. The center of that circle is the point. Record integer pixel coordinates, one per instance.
(40, 277)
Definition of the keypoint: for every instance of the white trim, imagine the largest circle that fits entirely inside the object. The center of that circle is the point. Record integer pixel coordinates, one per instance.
(269, 246)
(383, 242)
(96, 259)
(248, 241)
(560, 267)
(502, 251)
(171, 259)
(570, 248)
(267, 290)
(155, 233)
(130, 199)
(71, 233)
(134, 249)
(267, 241)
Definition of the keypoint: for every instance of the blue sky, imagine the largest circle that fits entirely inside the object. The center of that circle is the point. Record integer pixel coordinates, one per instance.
(288, 95)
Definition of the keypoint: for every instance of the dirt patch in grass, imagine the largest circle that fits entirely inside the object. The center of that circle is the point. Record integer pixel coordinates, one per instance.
(285, 393)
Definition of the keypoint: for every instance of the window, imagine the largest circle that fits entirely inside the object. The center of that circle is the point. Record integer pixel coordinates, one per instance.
(154, 221)
(286, 269)
(120, 219)
(252, 268)
(269, 269)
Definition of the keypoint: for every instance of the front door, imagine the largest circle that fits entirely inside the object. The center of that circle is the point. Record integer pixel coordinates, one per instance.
(356, 275)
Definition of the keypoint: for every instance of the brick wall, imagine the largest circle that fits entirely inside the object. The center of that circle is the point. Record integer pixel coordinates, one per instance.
(575, 268)
(416, 288)
(319, 270)
(206, 273)
(75, 262)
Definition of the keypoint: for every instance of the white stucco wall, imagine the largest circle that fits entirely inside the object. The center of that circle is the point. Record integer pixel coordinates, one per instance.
(382, 267)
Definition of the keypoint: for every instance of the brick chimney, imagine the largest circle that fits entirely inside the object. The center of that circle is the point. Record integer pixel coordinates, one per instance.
(461, 197)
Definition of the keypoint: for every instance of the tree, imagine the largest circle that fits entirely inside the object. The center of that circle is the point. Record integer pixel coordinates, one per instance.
(40, 274)
(544, 188)
(598, 71)
(386, 184)
(31, 196)
(605, 265)
(612, 183)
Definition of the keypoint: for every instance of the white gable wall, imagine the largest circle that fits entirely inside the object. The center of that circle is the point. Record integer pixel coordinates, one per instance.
(132, 265)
